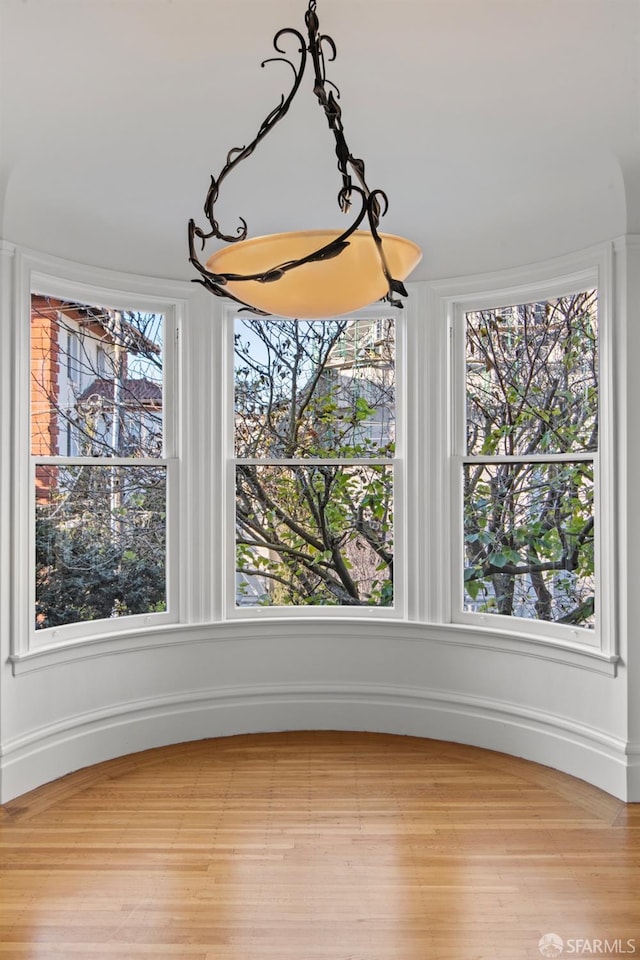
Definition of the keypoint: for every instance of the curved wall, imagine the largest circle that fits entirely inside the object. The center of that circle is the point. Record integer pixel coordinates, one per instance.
(489, 236)
(533, 198)
(86, 703)
(240, 678)
(492, 164)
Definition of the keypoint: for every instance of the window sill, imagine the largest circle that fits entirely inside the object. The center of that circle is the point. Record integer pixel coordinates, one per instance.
(361, 628)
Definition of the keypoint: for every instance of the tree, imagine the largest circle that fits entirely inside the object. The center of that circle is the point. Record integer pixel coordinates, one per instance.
(311, 531)
(532, 393)
(89, 567)
(100, 528)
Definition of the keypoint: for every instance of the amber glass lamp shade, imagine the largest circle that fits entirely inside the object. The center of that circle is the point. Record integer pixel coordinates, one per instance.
(325, 288)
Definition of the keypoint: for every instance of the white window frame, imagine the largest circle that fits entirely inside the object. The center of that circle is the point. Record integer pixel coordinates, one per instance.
(201, 567)
(397, 463)
(59, 280)
(592, 269)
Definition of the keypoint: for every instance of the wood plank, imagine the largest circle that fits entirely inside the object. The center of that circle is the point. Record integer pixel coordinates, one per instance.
(315, 846)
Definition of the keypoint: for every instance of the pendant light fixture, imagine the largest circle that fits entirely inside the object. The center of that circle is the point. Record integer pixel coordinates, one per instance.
(309, 273)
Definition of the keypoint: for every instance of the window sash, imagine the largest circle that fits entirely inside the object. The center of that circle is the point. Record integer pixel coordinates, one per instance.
(396, 463)
(570, 635)
(65, 633)
(314, 461)
(31, 278)
(429, 473)
(533, 458)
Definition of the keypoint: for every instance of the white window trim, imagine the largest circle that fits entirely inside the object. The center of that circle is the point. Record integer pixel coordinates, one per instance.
(58, 279)
(450, 300)
(399, 609)
(423, 490)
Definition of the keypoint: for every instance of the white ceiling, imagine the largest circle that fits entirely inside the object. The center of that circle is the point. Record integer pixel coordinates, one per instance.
(501, 130)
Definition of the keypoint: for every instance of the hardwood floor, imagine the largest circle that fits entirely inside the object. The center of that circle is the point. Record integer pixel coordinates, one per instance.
(317, 846)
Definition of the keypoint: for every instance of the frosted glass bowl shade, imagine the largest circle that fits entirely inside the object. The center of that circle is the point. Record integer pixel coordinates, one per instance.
(326, 288)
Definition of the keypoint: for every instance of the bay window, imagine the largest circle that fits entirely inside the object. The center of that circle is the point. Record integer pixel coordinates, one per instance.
(450, 466)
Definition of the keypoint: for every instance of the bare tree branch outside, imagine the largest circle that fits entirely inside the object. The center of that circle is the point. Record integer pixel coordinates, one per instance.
(532, 416)
(96, 391)
(314, 532)
(314, 439)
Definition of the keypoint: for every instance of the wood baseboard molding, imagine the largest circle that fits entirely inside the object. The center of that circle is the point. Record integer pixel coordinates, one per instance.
(85, 739)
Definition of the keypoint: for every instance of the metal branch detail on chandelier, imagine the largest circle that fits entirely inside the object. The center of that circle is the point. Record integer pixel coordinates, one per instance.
(310, 273)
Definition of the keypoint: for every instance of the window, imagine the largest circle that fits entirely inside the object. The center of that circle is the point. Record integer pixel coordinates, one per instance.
(314, 463)
(527, 441)
(72, 352)
(100, 464)
(102, 364)
(450, 466)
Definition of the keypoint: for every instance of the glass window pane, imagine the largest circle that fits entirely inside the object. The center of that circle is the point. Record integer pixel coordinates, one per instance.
(529, 541)
(532, 377)
(96, 381)
(100, 542)
(314, 388)
(320, 536)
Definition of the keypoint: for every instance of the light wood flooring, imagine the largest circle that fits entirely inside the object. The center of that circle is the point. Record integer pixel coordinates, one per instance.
(317, 846)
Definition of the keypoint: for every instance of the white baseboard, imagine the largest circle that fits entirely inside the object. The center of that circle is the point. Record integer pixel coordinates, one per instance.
(89, 738)
(633, 779)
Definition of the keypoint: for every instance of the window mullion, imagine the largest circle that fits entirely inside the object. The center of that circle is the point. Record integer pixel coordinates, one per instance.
(312, 461)
(577, 457)
(102, 461)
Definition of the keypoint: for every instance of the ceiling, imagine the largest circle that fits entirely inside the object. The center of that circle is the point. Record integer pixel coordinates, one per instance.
(503, 131)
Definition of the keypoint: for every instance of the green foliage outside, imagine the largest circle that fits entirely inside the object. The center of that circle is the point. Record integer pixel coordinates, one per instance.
(100, 531)
(321, 533)
(100, 545)
(310, 533)
(318, 535)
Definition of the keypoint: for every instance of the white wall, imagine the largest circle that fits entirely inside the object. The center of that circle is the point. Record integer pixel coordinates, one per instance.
(63, 710)
(497, 128)
(628, 408)
(397, 678)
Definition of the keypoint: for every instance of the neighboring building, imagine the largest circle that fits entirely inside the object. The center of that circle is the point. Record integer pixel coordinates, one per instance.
(136, 430)
(362, 366)
(81, 359)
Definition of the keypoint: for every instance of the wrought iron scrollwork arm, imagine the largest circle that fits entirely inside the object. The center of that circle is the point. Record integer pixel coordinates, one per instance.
(237, 154)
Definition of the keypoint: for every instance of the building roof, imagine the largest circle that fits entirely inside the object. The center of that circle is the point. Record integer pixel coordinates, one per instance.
(131, 336)
(134, 391)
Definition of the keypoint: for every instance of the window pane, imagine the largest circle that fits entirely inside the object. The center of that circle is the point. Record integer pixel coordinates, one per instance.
(318, 536)
(100, 543)
(529, 541)
(96, 381)
(532, 377)
(314, 388)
